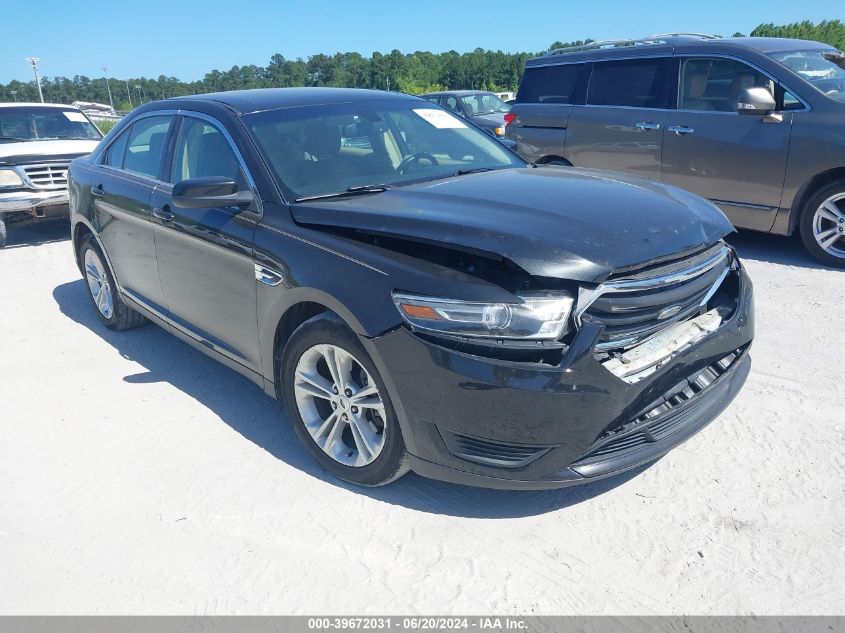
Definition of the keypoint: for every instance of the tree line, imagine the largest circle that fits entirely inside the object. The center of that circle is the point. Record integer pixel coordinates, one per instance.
(413, 73)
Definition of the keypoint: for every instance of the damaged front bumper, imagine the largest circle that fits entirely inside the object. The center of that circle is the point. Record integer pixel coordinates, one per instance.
(34, 204)
(487, 422)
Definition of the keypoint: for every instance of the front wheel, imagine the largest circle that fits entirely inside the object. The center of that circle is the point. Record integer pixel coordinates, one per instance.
(823, 225)
(339, 404)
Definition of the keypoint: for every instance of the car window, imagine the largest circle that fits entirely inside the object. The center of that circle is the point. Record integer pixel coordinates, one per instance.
(38, 123)
(549, 84)
(824, 68)
(483, 103)
(639, 83)
(791, 102)
(115, 152)
(201, 150)
(713, 85)
(146, 145)
(451, 103)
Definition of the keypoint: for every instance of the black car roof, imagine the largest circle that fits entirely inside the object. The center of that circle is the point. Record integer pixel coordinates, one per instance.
(245, 101)
(668, 45)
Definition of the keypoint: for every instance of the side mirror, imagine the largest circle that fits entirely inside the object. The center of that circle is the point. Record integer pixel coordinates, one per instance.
(210, 192)
(757, 101)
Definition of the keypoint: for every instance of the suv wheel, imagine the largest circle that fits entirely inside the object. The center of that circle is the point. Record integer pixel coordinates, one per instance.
(823, 225)
(339, 405)
(102, 290)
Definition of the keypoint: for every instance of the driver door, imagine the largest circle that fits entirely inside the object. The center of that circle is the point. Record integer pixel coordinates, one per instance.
(205, 256)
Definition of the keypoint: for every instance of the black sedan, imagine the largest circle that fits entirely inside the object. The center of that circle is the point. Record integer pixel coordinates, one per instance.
(417, 295)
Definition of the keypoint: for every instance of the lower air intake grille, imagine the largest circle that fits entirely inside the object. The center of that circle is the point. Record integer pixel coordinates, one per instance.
(640, 431)
(490, 453)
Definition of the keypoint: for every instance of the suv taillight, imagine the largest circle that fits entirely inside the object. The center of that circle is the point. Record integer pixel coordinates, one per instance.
(510, 117)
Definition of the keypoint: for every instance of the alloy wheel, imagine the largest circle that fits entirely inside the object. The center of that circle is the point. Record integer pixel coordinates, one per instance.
(340, 405)
(98, 283)
(829, 225)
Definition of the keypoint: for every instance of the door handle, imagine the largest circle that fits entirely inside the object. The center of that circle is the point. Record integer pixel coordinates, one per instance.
(98, 191)
(163, 213)
(681, 130)
(647, 125)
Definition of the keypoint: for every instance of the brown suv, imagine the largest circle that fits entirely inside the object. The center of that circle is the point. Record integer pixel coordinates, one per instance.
(756, 125)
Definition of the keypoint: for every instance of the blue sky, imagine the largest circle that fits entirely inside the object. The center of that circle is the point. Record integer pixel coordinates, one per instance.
(187, 38)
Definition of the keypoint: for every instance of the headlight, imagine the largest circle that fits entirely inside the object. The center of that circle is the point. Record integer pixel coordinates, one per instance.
(10, 178)
(541, 316)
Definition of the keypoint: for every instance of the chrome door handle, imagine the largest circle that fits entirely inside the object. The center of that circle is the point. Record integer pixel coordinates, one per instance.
(98, 191)
(163, 214)
(680, 130)
(647, 125)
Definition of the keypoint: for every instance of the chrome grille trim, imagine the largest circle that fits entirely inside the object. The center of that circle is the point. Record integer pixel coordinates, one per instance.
(47, 175)
(651, 281)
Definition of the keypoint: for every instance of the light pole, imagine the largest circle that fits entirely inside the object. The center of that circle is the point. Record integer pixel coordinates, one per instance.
(138, 88)
(15, 95)
(108, 88)
(128, 94)
(34, 61)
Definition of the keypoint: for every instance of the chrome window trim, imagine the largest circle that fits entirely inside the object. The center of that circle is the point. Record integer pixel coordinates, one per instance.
(807, 106)
(587, 296)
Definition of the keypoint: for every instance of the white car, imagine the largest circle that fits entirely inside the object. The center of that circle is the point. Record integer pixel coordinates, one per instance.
(37, 143)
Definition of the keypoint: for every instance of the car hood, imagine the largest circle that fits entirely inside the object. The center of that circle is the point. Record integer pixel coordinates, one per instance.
(556, 222)
(25, 151)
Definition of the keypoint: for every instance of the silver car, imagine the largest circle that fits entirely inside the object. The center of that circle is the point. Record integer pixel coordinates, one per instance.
(756, 125)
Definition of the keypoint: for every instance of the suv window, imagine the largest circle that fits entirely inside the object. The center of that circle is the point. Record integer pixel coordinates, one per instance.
(115, 152)
(638, 83)
(713, 85)
(146, 146)
(549, 84)
(202, 150)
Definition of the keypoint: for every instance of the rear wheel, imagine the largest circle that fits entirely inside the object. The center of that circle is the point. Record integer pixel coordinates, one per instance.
(823, 225)
(339, 405)
(102, 290)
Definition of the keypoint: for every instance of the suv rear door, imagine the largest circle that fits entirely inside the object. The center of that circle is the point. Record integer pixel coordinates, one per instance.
(542, 109)
(205, 256)
(620, 125)
(737, 161)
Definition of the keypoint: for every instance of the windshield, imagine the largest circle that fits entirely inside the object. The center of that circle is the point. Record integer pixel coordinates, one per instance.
(330, 148)
(35, 123)
(484, 103)
(825, 69)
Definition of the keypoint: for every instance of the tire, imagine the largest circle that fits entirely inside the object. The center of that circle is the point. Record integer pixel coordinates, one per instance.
(97, 274)
(2, 232)
(824, 216)
(336, 445)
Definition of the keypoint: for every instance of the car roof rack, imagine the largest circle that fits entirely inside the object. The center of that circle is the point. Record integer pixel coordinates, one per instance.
(663, 38)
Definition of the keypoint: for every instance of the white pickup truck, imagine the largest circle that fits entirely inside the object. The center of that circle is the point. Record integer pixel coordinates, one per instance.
(37, 143)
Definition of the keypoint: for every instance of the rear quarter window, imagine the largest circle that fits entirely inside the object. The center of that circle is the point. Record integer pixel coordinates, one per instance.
(549, 84)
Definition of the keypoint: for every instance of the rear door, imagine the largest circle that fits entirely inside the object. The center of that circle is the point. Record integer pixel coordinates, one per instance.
(205, 256)
(127, 175)
(542, 110)
(737, 161)
(620, 126)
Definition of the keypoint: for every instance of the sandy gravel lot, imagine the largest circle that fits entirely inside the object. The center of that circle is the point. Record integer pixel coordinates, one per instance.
(138, 476)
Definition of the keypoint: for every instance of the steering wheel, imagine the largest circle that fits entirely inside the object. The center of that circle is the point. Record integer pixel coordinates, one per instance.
(414, 159)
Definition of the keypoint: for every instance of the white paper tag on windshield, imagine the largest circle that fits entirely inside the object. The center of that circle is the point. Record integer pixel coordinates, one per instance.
(439, 118)
(76, 117)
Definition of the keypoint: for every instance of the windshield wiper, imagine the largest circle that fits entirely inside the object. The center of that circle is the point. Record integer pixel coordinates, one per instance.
(349, 191)
(475, 170)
